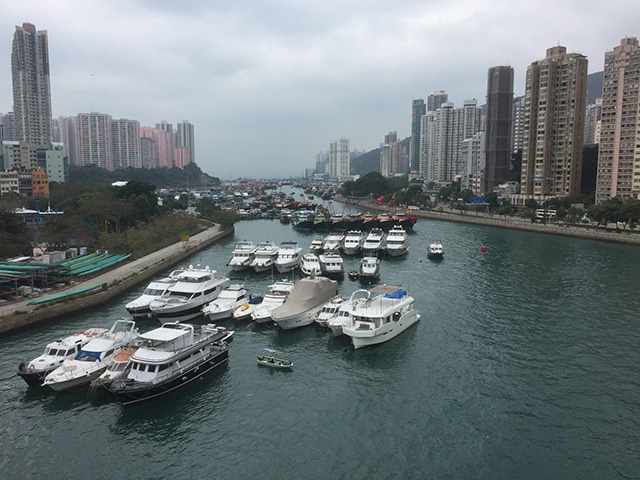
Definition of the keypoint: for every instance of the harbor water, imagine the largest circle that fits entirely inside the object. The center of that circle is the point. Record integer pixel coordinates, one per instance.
(524, 364)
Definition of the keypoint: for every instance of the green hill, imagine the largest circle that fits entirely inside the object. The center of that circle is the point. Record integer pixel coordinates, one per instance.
(370, 161)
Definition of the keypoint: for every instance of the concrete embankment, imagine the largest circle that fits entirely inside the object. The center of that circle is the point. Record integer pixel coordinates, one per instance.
(18, 315)
(517, 224)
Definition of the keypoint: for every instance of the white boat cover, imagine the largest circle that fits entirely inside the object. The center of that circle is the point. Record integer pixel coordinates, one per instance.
(307, 293)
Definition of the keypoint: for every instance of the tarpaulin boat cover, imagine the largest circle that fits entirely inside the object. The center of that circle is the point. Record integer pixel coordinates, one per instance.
(307, 293)
(397, 294)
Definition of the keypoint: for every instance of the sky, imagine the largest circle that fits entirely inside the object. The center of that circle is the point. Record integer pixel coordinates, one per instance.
(268, 84)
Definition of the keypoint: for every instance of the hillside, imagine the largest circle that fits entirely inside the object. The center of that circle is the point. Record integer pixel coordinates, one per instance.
(370, 161)
(594, 86)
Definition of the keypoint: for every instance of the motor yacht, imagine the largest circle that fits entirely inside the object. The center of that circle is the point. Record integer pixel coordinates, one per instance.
(435, 250)
(332, 265)
(244, 312)
(369, 269)
(141, 306)
(342, 314)
(93, 358)
(118, 368)
(305, 301)
(374, 243)
(329, 310)
(184, 301)
(316, 244)
(265, 257)
(243, 255)
(169, 357)
(278, 293)
(230, 299)
(310, 265)
(333, 242)
(397, 244)
(352, 242)
(289, 256)
(377, 319)
(55, 353)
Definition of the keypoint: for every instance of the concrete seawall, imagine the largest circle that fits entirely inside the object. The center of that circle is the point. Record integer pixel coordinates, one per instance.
(19, 315)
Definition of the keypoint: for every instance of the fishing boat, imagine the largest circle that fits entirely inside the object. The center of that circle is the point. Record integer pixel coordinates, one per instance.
(321, 222)
(55, 353)
(271, 358)
(302, 219)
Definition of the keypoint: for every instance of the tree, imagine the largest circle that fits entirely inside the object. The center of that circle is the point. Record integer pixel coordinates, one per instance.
(466, 195)
(531, 204)
(629, 213)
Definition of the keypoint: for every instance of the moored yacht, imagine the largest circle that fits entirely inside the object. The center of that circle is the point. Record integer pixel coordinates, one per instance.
(243, 254)
(184, 301)
(329, 310)
(333, 242)
(435, 250)
(397, 244)
(352, 242)
(244, 312)
(369, 269)
(278, 293)
(265, 257)
(289, 256)
(141, 306)
(310, 265)
(380, 318)
(374, 243)
(304, 302)
(118, 368)
(171, 356)
(93, 358)
(332, 265)
(316, 244)
(55, 353)
(230, 299)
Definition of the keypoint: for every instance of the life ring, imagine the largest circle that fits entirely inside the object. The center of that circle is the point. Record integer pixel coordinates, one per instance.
(31, 368)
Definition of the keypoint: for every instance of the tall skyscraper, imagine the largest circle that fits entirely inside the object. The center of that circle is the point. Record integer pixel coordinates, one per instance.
(9, 127)
(125, 139)
(339, 158)
(93, 136)
(592, 123)
(499, 127)
(435, 100)
(185, 137)
(555, 102)
(163, 152)
(418, 109)
(619, 154)
(518, 124)
(31, 88)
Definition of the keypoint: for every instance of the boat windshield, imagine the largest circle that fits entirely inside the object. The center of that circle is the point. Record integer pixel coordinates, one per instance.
(84, 356)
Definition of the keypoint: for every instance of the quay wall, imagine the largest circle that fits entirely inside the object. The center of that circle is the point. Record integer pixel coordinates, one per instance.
(16, 316)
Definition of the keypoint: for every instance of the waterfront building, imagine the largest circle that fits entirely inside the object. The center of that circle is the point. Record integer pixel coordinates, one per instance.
(619, 154)
(93, 135)
(31, 88)
(555, 102)
(125, 139)
(592, 123)
(436, 100)
(518, 124)
(499, 128)
(418, 110)
(339, 157)
(185, 137)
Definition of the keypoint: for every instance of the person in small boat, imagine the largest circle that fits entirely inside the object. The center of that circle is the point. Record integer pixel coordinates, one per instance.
(271, 360)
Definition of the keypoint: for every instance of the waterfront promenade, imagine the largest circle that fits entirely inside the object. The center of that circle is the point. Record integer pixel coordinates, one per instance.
(17, 315)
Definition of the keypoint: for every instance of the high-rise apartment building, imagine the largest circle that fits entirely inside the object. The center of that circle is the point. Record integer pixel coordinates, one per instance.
(163, 152)
(499, 128)
(67, 134)
(619, 153)
(555, 102)
(436, 99)
(385, 160)
(517, 138)
(185, 137)
(418, 109)
(9, 127)
(339, 157)
(93, 136)
(31, 87)
(125, 139)
(592, 123)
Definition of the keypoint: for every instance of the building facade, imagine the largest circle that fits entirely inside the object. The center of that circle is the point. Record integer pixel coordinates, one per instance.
(436, 99)
(31, 86)
(418, 110)
(125, 139)
(339, 157)
(592, 123)
(555, 102)
(93, 136)
(185, 137)
(499, 127)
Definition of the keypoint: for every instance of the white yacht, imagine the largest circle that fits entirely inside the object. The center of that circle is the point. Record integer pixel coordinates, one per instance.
(342, 314)
(289, 256)
(333, 242)
(435, 249)
(369, 268)
(229, 300)
(329, 310)
(316, 244)
(184, 301)
(380, 318)
(118, 368)
(374, 243)
(265, 256)
(397, 244)
(171, 356)
(244, 311)
(243, 254)
(278, 293)
(93, 358)
(304, 302)
(310, 265)
(332, 265)
(55, 353)
(140, 307)
(353, 242)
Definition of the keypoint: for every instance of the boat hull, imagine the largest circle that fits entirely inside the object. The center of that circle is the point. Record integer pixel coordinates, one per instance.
(35, 377)
(391, 330)
(300, 320)
(129, 394)
(86, 378)
(396, 252)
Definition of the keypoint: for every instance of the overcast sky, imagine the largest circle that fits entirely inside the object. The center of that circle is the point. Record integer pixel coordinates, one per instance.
(268, 84)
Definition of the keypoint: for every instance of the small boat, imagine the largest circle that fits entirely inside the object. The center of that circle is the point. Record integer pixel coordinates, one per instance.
(352, 242)
(369, 268)
(265, 257)
(243, 255)
(140, 307)
(244, 312)
(310, 265)
(270, 358)
(119, 368)
(353, 274)
(278, 293)
(435, 251)
(289, 256)
(483, 248)
(332, 265)
(230, 299)
(55, 353)
(329, 310)
(316, 244)
(397, 244)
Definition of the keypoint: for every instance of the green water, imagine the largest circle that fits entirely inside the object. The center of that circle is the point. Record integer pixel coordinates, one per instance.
(523, 365)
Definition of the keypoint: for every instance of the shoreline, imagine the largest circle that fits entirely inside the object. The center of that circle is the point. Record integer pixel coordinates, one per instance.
(18, 315)
(513, 223)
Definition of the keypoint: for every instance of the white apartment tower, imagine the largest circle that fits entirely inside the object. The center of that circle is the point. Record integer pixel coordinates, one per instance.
(339, 157)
